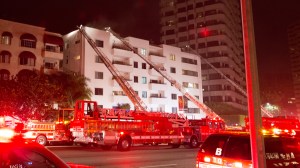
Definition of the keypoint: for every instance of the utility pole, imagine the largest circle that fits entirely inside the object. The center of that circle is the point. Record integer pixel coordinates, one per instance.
(254, 113)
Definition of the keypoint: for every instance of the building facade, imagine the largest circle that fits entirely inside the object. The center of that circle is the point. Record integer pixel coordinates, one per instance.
(294, 52)
(154, 90)
(211, 29)
(25, 48)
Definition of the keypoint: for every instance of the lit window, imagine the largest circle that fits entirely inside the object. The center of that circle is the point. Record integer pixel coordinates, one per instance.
(143, 51)
(144, 94)
(172, 57)
(144, 80)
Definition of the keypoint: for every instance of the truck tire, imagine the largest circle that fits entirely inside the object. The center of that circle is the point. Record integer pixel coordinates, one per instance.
(194, 142)
(41, 139)
(124, 144)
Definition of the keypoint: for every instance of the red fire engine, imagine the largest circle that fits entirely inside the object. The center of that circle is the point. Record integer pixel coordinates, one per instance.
(123, 128)
(43, 132)
(278, 125)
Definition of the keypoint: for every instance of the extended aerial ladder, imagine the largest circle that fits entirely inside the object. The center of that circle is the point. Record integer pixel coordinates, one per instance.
(229, 80)
(209, 112)
(132, 95)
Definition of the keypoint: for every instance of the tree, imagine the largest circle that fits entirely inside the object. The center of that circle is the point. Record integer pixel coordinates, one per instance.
(32, 96)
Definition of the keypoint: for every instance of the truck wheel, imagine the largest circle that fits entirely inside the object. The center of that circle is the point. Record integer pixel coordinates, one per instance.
(124, 144)
(41, 139)
(194, 142)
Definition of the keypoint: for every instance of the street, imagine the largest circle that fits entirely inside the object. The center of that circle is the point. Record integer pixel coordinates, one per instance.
(137, 157)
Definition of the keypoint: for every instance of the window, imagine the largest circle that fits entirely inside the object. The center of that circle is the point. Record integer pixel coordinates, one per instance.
(143, 51)
(144, 80)
(174, 96)
(26, 158)
(27, 58)
(174, 109)
(189, 73)
(135, 64)
(144, 66)
(28, 40)
(136, 79)
(170, 41)
(99, 43)
(6, 38)
(49, 65)
(4, 74)
(169, 32)
(173, 70)
(98, 59)
(98, 91)
(98, 75)
(5, 57)
(144, 94)
(188, 60)
(172, 57)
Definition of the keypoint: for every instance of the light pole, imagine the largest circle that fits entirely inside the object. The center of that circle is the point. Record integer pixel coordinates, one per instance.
(255, 121)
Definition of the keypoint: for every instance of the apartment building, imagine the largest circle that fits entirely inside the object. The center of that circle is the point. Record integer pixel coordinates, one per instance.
(153, 89)
(211, 29)
(24, 48)
(294, 52)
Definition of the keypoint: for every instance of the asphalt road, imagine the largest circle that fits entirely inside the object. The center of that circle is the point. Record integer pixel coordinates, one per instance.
(137, 157)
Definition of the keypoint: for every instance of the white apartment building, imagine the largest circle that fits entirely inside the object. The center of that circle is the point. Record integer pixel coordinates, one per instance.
(155, 91)
(25, 47)
(212, 29)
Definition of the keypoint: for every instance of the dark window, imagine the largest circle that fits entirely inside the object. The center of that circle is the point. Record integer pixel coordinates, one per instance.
(169, 13)
(239, 148)
(170, 41)
(135, 64)
(183, 9)
(99, 43)
(25, 158)
(169, 32)
(98, 91)
(174, 96)
(136, 79)
(182, 29)
(144, 66)
(173, 70)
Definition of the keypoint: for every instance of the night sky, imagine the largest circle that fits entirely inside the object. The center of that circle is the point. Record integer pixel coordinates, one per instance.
(140, 18)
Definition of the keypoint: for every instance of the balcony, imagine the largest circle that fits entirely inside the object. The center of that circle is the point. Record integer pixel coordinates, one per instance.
(121, 51)
(54, 54)
(157, 85)
(155, 57)
(155, 99)
(122, 66)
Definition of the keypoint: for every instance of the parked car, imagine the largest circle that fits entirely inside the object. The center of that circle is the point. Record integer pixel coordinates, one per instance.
(230, 149)
(17, 153)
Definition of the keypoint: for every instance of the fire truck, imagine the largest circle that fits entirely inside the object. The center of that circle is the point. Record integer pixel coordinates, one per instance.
(43, 132)
(95, 126)
(278, 125)
(123, 128)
